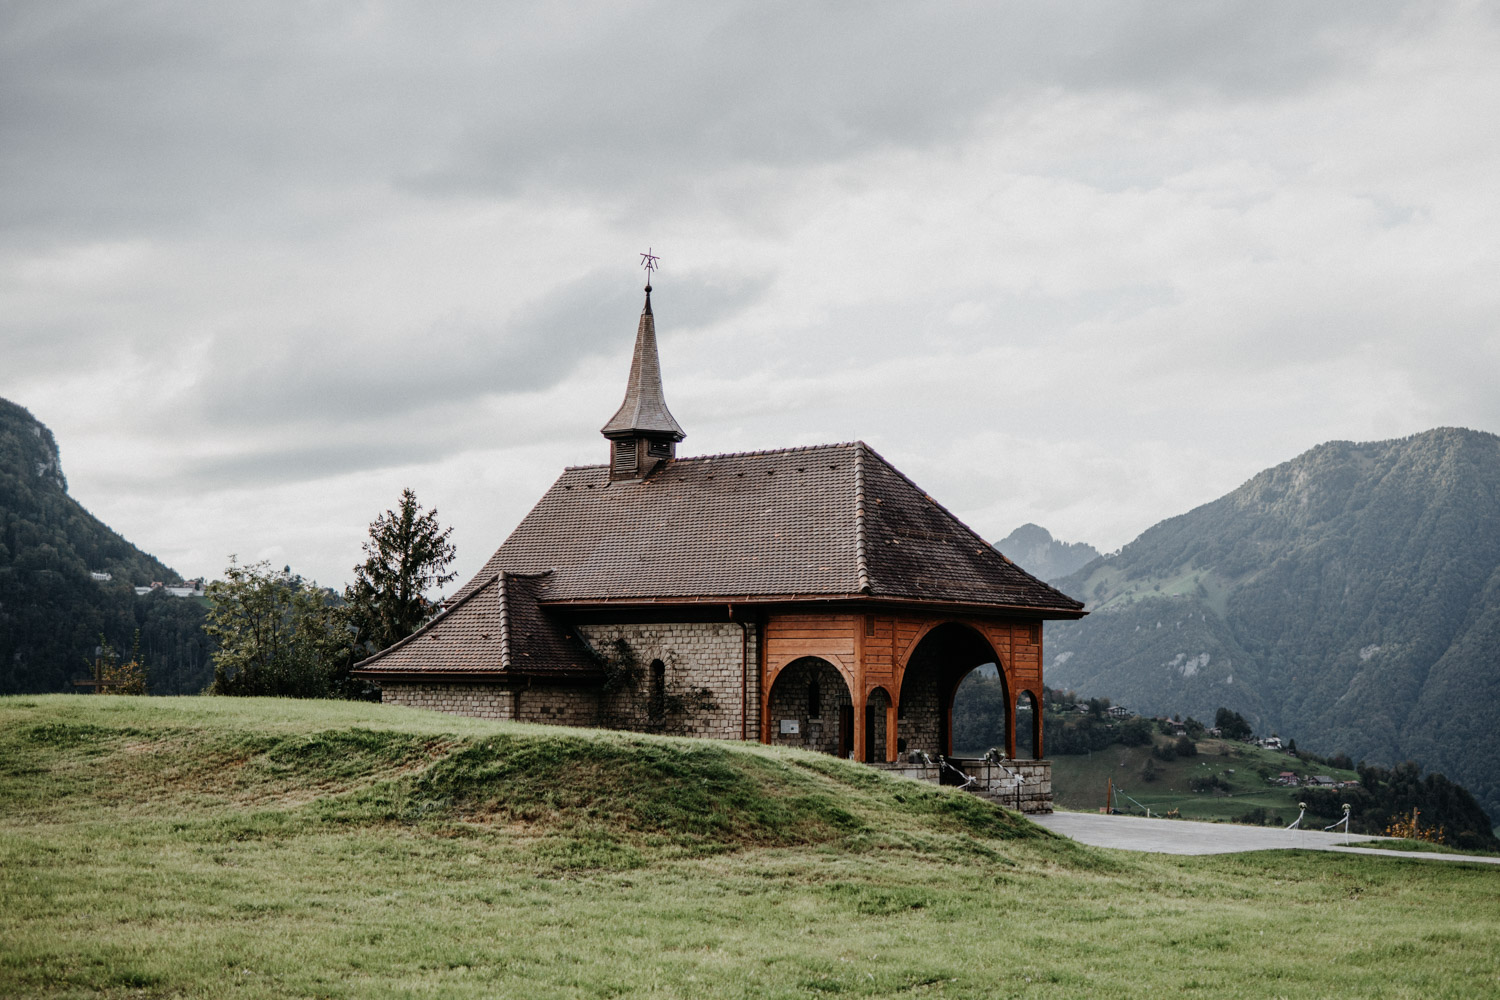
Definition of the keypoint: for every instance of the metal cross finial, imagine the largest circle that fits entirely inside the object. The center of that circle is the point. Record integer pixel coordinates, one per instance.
(648, 261)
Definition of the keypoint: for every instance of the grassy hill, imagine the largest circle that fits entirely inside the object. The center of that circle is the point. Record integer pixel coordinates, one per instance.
(1350, 596)
(1242, 786)
(266, 848)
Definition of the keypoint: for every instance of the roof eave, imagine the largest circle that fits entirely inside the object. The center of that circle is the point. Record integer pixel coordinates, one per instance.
(968, 607)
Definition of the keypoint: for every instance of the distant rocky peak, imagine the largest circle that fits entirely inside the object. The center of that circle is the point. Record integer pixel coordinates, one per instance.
(1033, 548)
(27, 444)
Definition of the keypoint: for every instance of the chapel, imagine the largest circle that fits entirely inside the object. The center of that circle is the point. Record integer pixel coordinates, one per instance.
(812, 597)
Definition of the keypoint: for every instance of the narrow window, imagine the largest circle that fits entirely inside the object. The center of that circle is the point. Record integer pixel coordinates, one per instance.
(814, 701)
(656, 703)
(869, 624)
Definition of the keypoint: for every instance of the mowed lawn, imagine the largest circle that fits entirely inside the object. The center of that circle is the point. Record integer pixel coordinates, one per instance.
(250, 848)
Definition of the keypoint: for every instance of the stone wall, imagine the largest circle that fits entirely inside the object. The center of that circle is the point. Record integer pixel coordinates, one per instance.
(702, 682)
(563, 706)
(1033, 794)
(559, 706)
(790, 701)
(704, 675)
(483, 701)
(918, 723)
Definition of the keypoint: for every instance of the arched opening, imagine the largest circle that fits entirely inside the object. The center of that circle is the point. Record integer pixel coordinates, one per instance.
(943, 657)
(656, 699)
(979, 711)
(1028, 728)
(877, 718)
(801, 686)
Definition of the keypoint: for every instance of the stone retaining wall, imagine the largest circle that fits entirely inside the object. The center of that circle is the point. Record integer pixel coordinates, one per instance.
(998, 784)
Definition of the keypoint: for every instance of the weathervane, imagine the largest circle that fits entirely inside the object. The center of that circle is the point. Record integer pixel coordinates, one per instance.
(648, 261)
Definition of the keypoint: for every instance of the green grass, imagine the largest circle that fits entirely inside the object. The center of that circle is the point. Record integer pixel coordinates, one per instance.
(255, 848)
(1080, 781)
(1422, 847)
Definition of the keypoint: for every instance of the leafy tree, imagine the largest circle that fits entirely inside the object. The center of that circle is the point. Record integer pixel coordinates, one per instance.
(407, 555)
(276, 633)
(121, 678)
(1135, 732)
(979, 714)
(1232, 725)
(1185, 747)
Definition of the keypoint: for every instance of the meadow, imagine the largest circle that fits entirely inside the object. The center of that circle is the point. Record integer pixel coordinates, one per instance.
(1080, 781)
(185, 847)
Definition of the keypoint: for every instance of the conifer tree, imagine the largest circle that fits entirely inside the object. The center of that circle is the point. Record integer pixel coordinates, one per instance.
(406, 557)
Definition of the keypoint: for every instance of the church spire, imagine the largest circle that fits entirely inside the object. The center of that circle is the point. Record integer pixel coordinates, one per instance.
(642, 432)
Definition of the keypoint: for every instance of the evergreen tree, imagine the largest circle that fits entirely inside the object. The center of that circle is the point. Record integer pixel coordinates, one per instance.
(407, 555)
(1232, 725)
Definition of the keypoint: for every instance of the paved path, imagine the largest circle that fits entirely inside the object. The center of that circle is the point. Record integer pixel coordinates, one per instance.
(1176, 836)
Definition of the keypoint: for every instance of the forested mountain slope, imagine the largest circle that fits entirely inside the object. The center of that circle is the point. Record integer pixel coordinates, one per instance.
(1349, 598)
(52, 611)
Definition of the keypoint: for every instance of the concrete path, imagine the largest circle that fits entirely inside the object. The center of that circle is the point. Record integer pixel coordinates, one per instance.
(1176, 836)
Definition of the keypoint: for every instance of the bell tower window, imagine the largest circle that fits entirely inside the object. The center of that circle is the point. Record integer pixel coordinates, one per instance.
(624, 456)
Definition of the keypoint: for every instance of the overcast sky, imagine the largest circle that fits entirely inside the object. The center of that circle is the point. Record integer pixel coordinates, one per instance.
(1089, 265)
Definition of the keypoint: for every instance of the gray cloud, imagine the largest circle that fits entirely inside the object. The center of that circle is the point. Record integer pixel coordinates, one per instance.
(150, 116)
(1078, 264)
(324, 404)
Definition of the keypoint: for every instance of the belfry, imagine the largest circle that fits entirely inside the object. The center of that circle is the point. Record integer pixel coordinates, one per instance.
(642, 433)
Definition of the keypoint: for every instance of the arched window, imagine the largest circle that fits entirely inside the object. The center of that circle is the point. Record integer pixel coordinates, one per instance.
(656, 702)
(814, 701)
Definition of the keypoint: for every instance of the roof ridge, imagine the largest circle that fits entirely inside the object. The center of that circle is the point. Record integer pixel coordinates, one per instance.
(959, 521)
(429, 624)
(738, 454)
(861, 562)
(504, 622)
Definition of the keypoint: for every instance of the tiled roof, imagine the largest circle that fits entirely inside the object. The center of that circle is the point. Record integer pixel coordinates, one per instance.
(497, 627)
(830, 520)
(826, 521)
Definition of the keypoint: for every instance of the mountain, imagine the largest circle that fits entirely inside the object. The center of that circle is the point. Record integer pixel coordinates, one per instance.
(1349, 598)
(54, 599)
(1033, 548)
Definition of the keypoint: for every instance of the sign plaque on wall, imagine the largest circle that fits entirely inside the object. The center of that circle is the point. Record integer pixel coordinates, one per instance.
(790, 727)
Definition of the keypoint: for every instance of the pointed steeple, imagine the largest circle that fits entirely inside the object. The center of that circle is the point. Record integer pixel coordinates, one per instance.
(643, 428)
